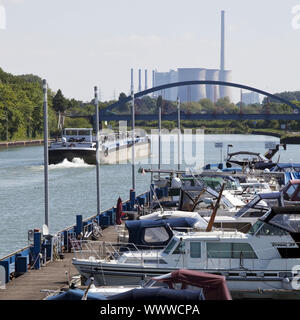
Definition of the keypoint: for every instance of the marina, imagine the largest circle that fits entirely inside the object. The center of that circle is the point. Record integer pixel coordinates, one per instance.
(60, 252)
(148, 195)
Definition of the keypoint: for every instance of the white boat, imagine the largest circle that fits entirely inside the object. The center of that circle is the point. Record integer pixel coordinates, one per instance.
(80, 143)
(264, 258)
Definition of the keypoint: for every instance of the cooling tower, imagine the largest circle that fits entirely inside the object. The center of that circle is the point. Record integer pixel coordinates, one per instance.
(212, 91)
(131, 80)
(225, 75)
(193, 92)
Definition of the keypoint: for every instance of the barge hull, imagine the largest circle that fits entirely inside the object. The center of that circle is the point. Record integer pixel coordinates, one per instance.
(113, 156)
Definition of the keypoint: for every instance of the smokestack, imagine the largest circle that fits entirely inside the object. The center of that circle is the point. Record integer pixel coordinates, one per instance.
(140, 80)
(153, 82)
(131, 84)
(146, 79)
(153, 78)
(222, 67)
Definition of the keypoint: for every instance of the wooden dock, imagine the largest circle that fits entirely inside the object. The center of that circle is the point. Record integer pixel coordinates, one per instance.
(50, 277)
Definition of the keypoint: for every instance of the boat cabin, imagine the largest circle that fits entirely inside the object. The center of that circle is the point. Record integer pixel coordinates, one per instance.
(78, 134)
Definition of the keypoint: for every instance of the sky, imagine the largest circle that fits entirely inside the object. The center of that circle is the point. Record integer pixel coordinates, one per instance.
(77, 44)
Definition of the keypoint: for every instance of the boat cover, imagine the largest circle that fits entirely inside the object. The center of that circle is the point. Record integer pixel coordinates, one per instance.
(134, 294)
(260, 196)
(214, 286)
(159, 294)
(158, 232)
(76, 294)
(286, 218)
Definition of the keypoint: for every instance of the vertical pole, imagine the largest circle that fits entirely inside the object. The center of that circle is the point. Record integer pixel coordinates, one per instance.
(97, 153)
(133, 138)
(179, 133)
(45, 107)
(159, 137)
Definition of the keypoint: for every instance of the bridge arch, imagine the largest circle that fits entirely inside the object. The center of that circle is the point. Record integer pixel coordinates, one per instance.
(202, 82)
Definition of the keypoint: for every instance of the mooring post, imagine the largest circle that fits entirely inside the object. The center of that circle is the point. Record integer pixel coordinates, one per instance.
(97, 152)
(46, 184)
(79, 224)
(37, 241)
(132, 199)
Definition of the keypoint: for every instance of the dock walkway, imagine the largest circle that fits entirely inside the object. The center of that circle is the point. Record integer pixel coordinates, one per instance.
(51, 277)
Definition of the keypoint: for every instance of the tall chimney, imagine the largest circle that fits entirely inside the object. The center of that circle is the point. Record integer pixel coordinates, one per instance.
(146, 79)
(222, 66)
(140, 80)
(153, 82)
(131, 84)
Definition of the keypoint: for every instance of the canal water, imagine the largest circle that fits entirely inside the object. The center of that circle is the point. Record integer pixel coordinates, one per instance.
(72, 185)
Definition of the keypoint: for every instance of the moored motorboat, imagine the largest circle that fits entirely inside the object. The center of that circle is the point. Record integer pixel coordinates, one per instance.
(264, 258)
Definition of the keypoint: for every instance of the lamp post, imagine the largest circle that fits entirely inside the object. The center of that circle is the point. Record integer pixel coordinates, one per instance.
(179, 133)
(97, 152)
(133, 138)
(45, 108)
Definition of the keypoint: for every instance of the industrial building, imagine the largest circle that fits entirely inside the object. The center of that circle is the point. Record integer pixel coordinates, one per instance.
(193, 92)
(250, 98)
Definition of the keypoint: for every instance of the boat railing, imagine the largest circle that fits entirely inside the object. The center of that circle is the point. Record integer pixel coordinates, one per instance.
(105, 250)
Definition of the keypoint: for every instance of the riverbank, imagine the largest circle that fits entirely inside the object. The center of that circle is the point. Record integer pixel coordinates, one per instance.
(7, 144)
(288, 138)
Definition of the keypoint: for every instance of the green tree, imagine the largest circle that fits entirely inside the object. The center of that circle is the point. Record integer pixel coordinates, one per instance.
(123, 107)
(60, 103)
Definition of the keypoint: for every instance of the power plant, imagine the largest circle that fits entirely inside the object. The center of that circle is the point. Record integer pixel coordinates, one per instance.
(194, 92)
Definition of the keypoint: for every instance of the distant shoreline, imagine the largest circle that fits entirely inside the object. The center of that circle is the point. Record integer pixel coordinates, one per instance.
(289, 139)
(7, 144)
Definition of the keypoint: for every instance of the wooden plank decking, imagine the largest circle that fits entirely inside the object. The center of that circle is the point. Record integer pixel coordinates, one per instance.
(52, 276)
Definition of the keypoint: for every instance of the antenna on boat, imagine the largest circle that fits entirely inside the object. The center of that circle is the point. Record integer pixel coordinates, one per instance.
(45, 107)
(97, 152)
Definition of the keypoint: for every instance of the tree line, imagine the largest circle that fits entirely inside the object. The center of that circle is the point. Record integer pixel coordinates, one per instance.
(21, 110)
